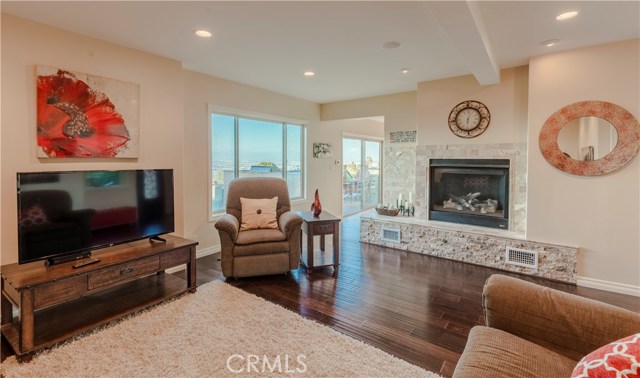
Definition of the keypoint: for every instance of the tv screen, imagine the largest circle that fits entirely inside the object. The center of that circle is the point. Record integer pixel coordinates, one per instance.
(70, 213)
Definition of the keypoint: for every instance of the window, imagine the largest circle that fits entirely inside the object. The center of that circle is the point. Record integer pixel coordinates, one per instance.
(251, 147)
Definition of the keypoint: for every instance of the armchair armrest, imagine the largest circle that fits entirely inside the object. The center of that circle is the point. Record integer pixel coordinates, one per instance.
(289, 222)
(229, 224)
(568, 324)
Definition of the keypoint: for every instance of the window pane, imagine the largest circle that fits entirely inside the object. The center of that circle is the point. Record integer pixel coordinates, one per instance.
(260, 148)
(351, 176)
(294, 160)
(222, 158)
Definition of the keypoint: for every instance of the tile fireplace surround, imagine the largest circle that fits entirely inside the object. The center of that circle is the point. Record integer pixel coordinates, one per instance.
(472, 244)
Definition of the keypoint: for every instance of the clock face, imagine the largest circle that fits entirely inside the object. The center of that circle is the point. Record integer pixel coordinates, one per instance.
(469, 119)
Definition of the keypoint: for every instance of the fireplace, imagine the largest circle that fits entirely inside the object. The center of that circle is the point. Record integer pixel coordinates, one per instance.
(470, 191)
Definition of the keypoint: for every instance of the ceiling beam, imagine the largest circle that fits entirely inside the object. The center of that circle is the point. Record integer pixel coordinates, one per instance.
(463, 23)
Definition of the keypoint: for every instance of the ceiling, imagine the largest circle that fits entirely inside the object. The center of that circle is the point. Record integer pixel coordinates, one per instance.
(270, 44)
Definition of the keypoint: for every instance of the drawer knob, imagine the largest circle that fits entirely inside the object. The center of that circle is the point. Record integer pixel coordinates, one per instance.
(126, 270)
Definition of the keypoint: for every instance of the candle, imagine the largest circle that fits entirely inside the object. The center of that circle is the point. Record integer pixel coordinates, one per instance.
(400, 198)
(410, 197)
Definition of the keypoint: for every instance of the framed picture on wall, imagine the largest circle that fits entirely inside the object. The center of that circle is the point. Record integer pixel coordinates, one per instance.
(322, 150)
(81, 115)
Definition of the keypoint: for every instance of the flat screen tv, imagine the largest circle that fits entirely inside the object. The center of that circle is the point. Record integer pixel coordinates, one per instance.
(65, 215)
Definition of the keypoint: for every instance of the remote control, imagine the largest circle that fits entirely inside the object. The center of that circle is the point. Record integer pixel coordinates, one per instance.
(86, 262)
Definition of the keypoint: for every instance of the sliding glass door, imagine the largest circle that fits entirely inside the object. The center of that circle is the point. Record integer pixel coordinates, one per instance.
(361, 179)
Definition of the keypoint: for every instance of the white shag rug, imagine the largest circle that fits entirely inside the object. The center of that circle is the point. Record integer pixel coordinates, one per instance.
(220, 331)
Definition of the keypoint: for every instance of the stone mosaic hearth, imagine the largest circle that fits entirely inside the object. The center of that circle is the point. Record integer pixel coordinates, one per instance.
(470, 244)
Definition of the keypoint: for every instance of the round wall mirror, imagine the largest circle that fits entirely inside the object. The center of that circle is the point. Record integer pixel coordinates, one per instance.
(590, 138)
(587, 138)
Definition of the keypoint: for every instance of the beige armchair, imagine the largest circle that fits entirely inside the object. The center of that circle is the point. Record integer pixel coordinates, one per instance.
(262, 251)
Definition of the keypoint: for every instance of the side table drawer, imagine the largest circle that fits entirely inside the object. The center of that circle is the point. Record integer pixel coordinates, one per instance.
(59, 291)
(323, 229)
(123, 272)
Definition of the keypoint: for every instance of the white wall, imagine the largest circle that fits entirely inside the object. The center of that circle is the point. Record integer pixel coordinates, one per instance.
(399, 111)
(26, 44)
(601, 215)
(506, 101)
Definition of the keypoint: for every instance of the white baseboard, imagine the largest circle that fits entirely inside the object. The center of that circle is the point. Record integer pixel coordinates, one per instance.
(199, 253)
(208, 251)
(609, 286)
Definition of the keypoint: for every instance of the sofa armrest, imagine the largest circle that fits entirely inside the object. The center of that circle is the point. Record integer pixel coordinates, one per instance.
(568, 324)
(229, 224)
(289, 222)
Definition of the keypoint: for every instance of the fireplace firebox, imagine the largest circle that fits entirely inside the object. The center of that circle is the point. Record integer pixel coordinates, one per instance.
(470, 191)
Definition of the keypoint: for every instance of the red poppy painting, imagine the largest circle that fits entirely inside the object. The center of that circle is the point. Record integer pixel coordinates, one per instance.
(85, 116)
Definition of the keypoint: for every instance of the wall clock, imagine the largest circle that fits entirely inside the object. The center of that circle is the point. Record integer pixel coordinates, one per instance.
(469, 119)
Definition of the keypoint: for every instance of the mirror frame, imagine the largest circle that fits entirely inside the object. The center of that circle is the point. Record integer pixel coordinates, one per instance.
(624, 122)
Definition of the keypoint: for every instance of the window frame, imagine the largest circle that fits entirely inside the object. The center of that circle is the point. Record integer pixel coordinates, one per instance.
(240, 113)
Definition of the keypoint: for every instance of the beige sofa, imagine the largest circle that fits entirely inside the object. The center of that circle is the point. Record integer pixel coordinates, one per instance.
(262, 251)
(533, 331)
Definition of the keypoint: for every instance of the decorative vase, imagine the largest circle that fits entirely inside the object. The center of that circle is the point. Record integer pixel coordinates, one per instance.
(316, 206)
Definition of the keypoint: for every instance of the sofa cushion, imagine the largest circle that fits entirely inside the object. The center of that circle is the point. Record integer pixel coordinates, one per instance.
(258, 213)
(620, 358)
(492, 353)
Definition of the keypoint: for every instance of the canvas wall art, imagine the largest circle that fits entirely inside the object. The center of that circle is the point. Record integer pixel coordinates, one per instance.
(86, 116)
(322, 150)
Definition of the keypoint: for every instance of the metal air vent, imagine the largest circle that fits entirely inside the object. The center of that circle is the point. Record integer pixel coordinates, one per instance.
(390, 235)
(521, 257)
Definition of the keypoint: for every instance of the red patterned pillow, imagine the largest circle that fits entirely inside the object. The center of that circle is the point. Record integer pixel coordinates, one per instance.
(33, 216)
(619, 359)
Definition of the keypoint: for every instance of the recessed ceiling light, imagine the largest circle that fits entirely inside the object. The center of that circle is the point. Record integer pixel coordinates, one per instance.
(203, 33)
(391, 45)
(550, 42)
(405, 70)
(309, 73)
(566, 15)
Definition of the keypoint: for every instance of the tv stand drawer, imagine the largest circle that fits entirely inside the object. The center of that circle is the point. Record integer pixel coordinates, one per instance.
(59, 291)
(123, 272)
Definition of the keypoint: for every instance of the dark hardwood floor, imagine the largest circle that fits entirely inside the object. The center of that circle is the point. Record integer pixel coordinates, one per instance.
(418, 308)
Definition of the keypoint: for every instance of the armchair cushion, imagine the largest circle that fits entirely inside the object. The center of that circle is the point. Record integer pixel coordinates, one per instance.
(258, 213)
(259, 236)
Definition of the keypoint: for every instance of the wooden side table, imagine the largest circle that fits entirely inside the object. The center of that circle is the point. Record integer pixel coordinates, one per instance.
(322, 225)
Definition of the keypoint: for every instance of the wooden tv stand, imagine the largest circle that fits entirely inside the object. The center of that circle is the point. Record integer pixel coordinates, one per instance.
(58, 302)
